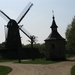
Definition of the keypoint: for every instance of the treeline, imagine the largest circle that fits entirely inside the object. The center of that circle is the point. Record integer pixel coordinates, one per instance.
(26, 52)
(70, 37)
(40, 47)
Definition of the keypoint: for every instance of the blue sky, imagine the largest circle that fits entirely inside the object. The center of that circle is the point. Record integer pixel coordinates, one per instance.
(39, 19)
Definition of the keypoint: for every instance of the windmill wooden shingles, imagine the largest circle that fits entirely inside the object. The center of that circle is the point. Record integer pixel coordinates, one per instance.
(55, 44)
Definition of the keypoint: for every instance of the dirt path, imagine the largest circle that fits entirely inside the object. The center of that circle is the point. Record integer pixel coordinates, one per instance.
(62, 68)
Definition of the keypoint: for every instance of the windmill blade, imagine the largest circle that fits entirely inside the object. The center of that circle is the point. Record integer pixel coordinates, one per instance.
(31, 37)
(4, 16)
(25, 31)
(6, 31)
(24, 12)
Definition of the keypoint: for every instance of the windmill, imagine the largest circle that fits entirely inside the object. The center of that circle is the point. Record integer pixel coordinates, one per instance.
(13, 39)
(13, 36)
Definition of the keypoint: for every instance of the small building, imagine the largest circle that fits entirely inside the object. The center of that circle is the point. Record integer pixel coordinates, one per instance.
(55, 44)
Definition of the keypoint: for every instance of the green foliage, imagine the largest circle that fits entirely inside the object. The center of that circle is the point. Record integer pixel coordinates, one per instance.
(41, 48)
(70, 55)
(70, 36)
(7, 60)
(27, 46)
(73, 70)
(4, 70)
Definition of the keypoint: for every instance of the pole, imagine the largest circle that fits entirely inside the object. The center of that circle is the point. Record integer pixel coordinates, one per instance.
(32, 48)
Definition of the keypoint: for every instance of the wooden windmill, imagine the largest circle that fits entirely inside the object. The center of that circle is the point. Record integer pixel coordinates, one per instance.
(13, 39)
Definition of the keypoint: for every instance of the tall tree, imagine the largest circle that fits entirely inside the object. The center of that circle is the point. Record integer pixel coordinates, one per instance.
(70, 36)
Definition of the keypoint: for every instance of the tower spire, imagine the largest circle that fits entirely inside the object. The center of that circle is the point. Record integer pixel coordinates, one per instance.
(53, 26)
(53, 14)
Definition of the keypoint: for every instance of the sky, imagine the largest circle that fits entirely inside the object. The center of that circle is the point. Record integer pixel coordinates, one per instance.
(39, 19)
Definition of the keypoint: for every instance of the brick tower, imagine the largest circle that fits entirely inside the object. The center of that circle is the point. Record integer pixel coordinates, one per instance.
(55, 44)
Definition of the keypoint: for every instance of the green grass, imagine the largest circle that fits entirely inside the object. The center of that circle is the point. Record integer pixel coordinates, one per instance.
(38, 61)
(4, 70)
(7, 60)
(73, 70)
(30, 61)
(70, 55)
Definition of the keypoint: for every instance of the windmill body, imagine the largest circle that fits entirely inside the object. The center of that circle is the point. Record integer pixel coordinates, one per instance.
(13, 40)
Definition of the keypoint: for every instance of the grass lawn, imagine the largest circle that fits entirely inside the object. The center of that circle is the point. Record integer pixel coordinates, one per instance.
(4, 70)
(38, 61)
(7, 60)
(30, 61)
(73, 70)
(70, 55)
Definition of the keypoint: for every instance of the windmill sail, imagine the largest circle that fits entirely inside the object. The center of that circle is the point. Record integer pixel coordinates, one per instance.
(6, 31)
(4, 16)
(25, 31)
(12, 35)
(32, 37)
(24, 12)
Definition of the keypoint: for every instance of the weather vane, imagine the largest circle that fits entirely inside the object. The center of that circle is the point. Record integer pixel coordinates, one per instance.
(53, 12)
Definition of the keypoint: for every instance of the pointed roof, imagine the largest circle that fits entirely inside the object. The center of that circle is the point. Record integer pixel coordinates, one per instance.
(53, 23)
(54, 34)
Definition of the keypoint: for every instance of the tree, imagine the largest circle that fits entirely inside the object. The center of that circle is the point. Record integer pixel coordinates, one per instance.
(40, 47)
(70, 36)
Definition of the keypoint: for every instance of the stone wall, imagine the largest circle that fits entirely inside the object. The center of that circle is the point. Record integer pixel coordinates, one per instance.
(55, 49)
